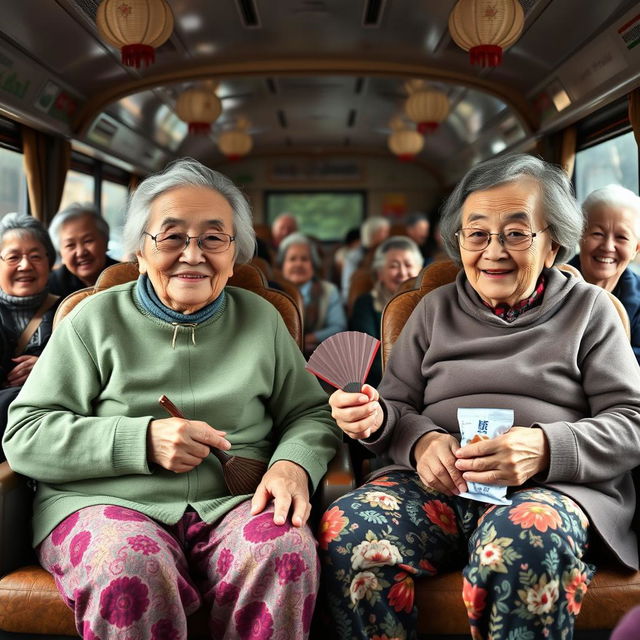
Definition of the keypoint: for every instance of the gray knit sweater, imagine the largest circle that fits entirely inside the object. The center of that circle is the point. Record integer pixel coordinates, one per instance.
(565, 366)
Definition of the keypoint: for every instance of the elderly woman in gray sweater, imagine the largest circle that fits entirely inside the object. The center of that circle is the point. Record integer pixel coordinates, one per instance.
(511, 333)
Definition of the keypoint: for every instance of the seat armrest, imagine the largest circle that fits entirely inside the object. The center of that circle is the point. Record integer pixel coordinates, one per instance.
(338, 480)
(16, 500)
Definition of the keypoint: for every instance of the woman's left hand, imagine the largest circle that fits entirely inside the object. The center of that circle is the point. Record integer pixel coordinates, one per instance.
(510, 459)
(288, 485)
(19, 374)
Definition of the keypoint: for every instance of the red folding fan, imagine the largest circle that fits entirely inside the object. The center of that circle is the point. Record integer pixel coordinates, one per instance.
(344, 359)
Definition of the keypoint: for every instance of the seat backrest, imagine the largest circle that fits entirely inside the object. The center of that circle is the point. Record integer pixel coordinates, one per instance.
(399, 308)
(361, 282)
(245, 276)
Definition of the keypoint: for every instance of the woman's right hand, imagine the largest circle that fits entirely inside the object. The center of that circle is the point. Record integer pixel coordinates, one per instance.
(357, 414)
(435, 460)
(180, 445)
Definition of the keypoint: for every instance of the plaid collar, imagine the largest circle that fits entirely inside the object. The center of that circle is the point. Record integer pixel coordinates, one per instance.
(509, 314)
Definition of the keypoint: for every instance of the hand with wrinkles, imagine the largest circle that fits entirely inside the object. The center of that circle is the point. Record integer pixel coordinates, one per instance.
(357, 414)
(19, 374)
(510, 459)
(435, 458)
(287, 484)
(180, 445)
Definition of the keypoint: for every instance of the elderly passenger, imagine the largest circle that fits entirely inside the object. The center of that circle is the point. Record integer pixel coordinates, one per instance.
(26, 306)
(323, 311)
(396, 260)
(373, 231)
(609, 243)
(80, 235)
(132, 514)
(512, 332)
(284, 225)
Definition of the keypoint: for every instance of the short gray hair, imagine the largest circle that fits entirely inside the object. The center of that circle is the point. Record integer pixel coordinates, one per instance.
(182, 173)
(369, 228)
(561, 211)
(73, 212)
(395, 243)
(28, 225)
(613, 195)
(298, 238)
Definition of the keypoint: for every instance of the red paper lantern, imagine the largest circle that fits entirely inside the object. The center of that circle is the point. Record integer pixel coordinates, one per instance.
(136, 27)
(199, 108)
(486, 28)
(427, 108)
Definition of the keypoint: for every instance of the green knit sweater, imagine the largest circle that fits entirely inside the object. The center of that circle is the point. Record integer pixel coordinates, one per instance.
(79, 425)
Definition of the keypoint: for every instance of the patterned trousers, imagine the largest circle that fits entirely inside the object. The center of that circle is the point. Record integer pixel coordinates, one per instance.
(126, 576)
(523, 576)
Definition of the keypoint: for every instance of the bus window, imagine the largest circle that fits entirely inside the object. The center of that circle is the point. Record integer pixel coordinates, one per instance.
(612, 162)
(78, 187)
(325, 215)
(13, 184)
(114, 206)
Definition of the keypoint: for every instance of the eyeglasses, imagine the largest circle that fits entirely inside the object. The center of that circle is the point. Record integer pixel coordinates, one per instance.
(14, 259)
(477, 239)
(171, 241)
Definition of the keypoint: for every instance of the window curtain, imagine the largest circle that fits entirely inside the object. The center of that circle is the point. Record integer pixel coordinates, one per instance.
(634, 113)
(46, 162)
(568, 151)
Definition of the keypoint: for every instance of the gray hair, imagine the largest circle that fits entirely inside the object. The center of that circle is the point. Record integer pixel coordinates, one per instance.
(395, 243)
(413, 218)
(369, 228)
(561, 211)
(298, 238)
(28, 225)
(613, 195)
(73, 212)
(182, 173)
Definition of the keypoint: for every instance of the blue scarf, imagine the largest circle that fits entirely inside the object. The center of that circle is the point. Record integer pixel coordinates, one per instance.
(151, 303)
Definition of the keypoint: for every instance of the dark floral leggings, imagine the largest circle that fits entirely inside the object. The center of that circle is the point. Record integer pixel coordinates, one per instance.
(523, 573)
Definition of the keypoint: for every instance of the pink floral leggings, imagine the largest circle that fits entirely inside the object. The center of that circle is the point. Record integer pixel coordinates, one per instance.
(127, 576)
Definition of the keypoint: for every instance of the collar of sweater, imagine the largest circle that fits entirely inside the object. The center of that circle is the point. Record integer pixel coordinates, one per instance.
(557, 286)
(151, 303)
(23, 303)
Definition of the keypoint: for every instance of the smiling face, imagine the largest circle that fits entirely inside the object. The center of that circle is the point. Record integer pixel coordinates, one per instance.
(29, 276)
(187, 280)
(502, 275)
(297, 266)
(399, 265)
(83, 249)
(609, 243)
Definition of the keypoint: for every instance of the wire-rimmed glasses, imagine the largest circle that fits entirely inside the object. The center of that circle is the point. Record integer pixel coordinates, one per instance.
(14, 259)
(473, 239)
(174, 241)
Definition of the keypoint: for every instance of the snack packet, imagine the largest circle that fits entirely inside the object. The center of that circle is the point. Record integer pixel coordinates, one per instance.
(483, 424)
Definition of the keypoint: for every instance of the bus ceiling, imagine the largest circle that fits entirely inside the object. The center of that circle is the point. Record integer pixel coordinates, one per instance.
(319, 78)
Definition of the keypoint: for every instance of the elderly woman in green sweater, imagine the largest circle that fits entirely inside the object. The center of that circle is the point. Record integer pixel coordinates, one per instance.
(132, 515)
(514, 334)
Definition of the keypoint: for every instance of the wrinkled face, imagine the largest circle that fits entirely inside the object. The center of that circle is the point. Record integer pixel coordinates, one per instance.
(419, 232)
(188, 279)
(609, 243)
(297, 266)
(83, 249)
(502, 275)
(30, 274)
(282, 228)
(399, 265)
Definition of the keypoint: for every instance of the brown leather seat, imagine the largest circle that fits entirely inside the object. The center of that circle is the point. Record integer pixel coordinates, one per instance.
(29, 600)
(612, 592)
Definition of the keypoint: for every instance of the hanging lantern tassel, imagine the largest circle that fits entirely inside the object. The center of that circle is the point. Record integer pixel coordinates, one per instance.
(136, 27)
(427, 108)
(486, 28)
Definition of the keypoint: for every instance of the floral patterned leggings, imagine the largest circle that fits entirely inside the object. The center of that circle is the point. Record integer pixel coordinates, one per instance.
(523, 577)
(126, 576)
